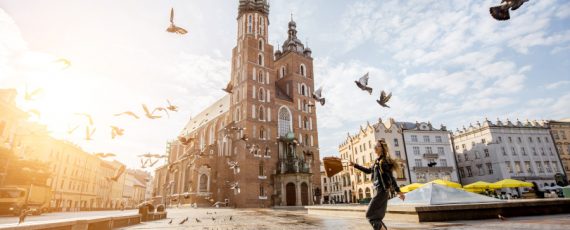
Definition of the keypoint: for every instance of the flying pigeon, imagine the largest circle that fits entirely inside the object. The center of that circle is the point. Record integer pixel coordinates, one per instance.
(148, 114)
(234, 165)
(231, 217)
(153, 163)
(170, 222)
(89, 133)
(161, 109)
(229, 88)
(197, 220)
(71, 130)
(384, 99)
(173, 28)
(317, 96)
(23, 213)
(501, 12)
(29, 96)
(116, 131)
(362, 83)
(127, 113)
(183, 221)
(185, 140)
(86, 115)
(171, 107)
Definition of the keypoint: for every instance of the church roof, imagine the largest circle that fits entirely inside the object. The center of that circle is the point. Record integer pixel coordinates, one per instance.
(218, 108)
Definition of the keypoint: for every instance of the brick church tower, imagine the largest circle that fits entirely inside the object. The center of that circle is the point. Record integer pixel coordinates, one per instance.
(271, 104)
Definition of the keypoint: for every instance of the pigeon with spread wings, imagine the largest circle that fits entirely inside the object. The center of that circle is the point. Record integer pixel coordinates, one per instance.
(173, 28)
(129, 113)
(362, 83)
(86, 115)
(29, 96)
(185, 140)
(161, 109)
(317, 95)
(148, 114)
(89, 133)
(501, 12)
(171, 107)
(116, 131)
(229, 88)
(384, 99)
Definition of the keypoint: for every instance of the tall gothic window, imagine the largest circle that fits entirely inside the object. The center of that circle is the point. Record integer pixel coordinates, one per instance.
(249, 24)
(282, 73)
(203, 183)
(284, 121)
(260, 59)
(303, 71)
(260, 77)
(261, 94)
(261, 113)
(260, 44)
(262, 133)
(261, 25)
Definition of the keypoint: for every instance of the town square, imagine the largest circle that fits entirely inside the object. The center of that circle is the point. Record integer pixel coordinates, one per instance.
(259, 114)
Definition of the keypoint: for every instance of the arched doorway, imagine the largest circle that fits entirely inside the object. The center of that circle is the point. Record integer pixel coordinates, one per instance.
(304, 194)
(290, 193)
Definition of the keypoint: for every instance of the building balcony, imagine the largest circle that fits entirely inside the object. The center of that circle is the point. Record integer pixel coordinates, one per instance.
(432, 169)
(430, 155)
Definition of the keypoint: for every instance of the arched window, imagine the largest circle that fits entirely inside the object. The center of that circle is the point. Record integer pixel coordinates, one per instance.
(305, 105)
(203, 183)
(249, 23)
(303, 90)
(261, 113)
(261, 25)
(212, 135)
(202, 141)
(306, 139)
(303, 71)
(260, 59)
(260, 77)
(261, 94)
(260, 45)
(261, 190)
(305, 123)
(368, 193)
(284, 121)
(261, 169)
(282, 72)
(262, 133)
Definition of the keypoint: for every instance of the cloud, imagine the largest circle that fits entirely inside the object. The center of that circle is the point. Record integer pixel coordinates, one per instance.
(556, 85)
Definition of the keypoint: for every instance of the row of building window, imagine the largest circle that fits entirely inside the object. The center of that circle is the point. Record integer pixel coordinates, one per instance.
(428, 150)
(468, 172)
(427, 139)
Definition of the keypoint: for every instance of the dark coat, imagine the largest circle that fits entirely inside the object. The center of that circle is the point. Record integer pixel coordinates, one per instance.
(386, 181)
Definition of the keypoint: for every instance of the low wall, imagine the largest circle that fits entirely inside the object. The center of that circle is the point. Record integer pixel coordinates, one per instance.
(95, 223)
(453, 212)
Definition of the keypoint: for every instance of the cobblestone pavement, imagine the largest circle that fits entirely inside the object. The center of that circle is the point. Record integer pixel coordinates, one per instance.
(214, 219)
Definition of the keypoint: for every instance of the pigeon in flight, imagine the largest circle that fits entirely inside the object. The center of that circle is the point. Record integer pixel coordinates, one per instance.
(384, 99)
(501, 12)
(153, 163)
(229, 88)
(197, 220)
(116, 131)
(245, 138)
(171, 107)
(89, 133)
(89, 118)
(162, 110)
(71, 130)
(317, 96)
(30, 96)
(185, 140)
(234, 165)
(129, 113)
(173, 28)
(170, 222)
(362, 83)
(148, 114)
(183, 221)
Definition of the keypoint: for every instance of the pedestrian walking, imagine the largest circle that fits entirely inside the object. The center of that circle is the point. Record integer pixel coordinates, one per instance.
(384, 183)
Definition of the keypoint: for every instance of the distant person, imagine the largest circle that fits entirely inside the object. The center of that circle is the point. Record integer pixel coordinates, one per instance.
(384, 183)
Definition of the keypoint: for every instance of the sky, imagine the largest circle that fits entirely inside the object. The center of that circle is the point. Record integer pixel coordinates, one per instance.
(445, 61)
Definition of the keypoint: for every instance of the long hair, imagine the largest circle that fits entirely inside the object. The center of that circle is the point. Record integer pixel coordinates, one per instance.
(394, 165)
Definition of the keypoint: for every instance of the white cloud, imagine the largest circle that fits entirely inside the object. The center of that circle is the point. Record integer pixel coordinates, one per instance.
(556, 85)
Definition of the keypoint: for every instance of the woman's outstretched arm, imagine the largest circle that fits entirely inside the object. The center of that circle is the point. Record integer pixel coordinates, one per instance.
(361, 168)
